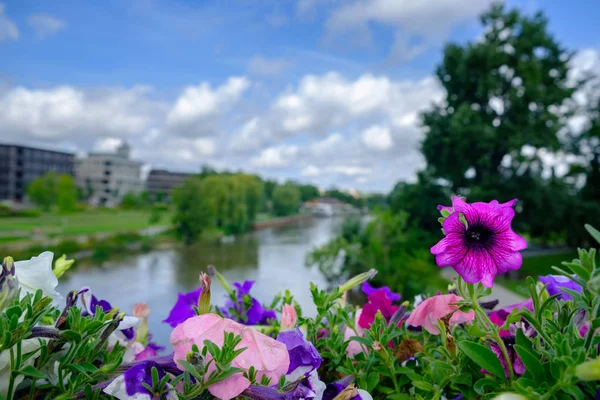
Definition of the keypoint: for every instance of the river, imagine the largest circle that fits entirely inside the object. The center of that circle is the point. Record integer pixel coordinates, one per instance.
(274, 258)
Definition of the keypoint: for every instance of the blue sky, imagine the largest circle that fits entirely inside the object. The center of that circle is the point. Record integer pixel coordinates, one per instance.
(324, 91)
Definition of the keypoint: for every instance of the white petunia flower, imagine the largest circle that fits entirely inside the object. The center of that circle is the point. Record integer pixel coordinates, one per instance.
(37, 274)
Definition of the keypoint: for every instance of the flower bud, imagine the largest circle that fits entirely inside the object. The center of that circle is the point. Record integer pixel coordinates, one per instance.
(289, 317)
(357, 280)
(510, 396)
(141, 311)
(204, 300)
(212, 271)
(195, 359)
(62, 265)
(589, 370)
(9, 284)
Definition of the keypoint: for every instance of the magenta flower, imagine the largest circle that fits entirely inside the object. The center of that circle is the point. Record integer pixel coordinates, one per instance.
(483, 247)
(378, 301)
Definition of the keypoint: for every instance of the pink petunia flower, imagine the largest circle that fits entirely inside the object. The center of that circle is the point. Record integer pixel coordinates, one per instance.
(487, 246)
(269, 357)
(432, 309)
(354, 347)
(289, 317)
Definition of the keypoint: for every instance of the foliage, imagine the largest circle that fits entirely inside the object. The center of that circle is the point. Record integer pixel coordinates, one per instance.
(545, 350)
(192, 215)
(390, 244)
(286, 200)
(226, 201)
(43, 190)
(66, 195)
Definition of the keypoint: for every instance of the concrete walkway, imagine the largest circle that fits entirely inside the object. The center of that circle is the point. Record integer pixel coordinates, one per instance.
(503, 295)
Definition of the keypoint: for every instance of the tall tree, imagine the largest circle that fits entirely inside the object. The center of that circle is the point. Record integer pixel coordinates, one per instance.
(286, 200)
(42, 190)
(66, 193)
(503, 92)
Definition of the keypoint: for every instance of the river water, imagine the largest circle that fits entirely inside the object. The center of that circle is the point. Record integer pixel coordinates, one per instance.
(274, 258)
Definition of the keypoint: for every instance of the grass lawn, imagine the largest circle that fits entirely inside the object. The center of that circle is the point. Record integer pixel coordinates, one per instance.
(535, 266)
(86, 222)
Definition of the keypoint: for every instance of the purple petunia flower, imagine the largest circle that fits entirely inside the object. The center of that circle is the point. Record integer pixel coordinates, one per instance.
(304, 357)
(334, 389)
(557, 282)
(126, 329)
(246, 309)
(485, 247)
(130, 385)
(183, 308)
(517, 363)
(368, 290)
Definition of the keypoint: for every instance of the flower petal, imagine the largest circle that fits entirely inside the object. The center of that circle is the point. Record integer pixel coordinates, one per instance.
(35, 274)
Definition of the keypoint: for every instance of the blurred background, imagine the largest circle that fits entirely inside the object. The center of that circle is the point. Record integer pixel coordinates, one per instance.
(290, 141)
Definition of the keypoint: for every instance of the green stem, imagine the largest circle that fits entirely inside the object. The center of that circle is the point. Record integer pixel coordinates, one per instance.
(495, 335)
(590, 334)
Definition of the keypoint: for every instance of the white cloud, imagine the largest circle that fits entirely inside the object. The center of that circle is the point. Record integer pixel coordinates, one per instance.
(250, 136)
(310, 171)
(275, 157)
(198, 109)
(45, 25)
(259, 65)
(350, 170)
(378, 138)
(430, 21)
(8, 29)
(108, 144)
(327, 145)
(65, 112)
(584, 63)
(324, 102)
(205, 146)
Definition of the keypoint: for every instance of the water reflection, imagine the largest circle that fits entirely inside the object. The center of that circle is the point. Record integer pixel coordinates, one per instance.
(274, 258)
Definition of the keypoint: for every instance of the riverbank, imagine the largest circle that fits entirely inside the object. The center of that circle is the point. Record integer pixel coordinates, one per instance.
(281, 221)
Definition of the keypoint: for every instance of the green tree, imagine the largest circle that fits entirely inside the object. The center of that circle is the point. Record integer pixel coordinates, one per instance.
(192, 212)
(66, 195)
(131, 200)
(43, 190)
(308, 192)
(502, 93)
(286, 200)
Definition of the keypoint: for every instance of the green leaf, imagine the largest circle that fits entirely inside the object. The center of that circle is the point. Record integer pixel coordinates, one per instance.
(578, 269)
(30, 370)
(532, 364)
(483, 384)
(483, 357)
(593, 231)
(399, 396)
(372, 381)
(72, 336)
(423, 385)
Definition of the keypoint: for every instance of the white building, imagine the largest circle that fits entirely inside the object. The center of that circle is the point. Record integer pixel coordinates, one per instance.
(106, 177)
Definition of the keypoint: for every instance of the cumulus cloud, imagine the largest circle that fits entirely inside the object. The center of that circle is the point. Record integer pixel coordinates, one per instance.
(429, 21)
(378, 138)
(198, 109)
(8, 29)
(325, 102)
(310, 171)
(45, 25)
(275, 157)
(259, 65)
(65, 111)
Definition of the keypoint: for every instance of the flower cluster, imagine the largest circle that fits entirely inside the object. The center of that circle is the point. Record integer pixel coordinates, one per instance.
(445, 346)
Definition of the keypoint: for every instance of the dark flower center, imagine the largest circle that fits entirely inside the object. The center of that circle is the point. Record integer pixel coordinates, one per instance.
(478, 235)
